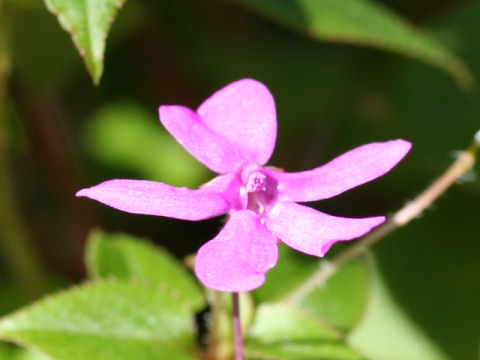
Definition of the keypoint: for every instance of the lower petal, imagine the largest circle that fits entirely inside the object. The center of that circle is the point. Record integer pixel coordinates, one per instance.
(155, 198)
(239, 256)
(313, 232)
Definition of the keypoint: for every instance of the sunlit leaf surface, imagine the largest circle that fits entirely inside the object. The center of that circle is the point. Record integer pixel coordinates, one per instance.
(127, 257)
(105, 320)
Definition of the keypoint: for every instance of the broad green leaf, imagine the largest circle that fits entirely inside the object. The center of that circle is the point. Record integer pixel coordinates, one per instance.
(284, 332)
(127, 257)
(117, 129)
(88, 22)
(366, 23)
(341, 301)
(105, 320)
(386, 332)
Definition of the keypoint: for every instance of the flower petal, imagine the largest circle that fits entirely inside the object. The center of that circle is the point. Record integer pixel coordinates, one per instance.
(155, 198)
(207, 146)
(239, 256)
(244, 113)
(313, 232)
(343, 173)
(229, 186)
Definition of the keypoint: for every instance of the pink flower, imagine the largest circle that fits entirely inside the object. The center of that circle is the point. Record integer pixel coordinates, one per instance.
(233, 133)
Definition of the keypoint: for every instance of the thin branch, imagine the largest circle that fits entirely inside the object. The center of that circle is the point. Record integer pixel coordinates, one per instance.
(464, 163)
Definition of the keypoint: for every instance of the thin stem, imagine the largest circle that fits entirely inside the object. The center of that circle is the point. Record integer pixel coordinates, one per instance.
(464, 163)
(237, 328)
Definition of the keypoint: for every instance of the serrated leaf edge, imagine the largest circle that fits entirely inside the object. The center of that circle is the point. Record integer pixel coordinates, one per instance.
(81, 51)
(90, 250)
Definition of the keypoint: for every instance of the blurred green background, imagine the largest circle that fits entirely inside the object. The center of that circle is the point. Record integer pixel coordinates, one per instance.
(64, 134)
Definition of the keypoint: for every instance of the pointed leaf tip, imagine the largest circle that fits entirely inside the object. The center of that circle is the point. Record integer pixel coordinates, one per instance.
(88, 23)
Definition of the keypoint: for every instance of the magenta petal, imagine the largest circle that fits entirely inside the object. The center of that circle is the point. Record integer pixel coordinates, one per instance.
(313, 232)
(345, 172)
(239, 256)
(207, 146)
(244, 113)
(154, 198)
(229, 186)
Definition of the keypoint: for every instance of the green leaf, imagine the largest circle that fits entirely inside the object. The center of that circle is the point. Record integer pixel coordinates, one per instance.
(301, 351)
(303, 329)
(342, 299)
(12, 352)
(88, 22)
(283, 332)
(118, 128)
(383, 317)
(366, 23)
(126, 257)
(339, 302)
(281, 322)
(292, 269)
(105, 320)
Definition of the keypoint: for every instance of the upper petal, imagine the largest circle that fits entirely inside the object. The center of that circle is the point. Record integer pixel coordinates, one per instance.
(313, 232)
(155, 198)
(244, 113)
(239, 256)
(206, 145)
(345, 172)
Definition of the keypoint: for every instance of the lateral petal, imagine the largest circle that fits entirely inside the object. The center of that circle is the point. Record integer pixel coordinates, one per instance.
(313, 232)
(343, 173)
(244, 113)
(209, 147)
(239, 256)
(155, 198)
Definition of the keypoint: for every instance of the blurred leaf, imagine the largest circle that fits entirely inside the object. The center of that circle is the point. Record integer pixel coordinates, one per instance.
(281, 322)
(283, 332)
(307, 329)
(13, 352)
(88, 23)
(292, 269)
(124, 135)
(7, 351)
(386, 332)
(341, 301)
(301, 351)
(127, 257)
(105, 320)
(366, 23)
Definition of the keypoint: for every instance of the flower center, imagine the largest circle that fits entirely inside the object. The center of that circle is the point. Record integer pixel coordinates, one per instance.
(260, 190)
(257, 181)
